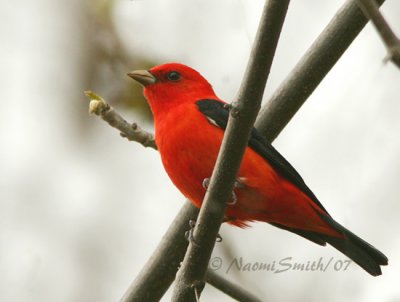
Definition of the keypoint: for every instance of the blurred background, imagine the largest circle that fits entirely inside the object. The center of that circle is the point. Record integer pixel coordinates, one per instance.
(82, 209)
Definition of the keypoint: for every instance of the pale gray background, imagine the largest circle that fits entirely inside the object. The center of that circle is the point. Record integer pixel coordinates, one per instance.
(81, 209)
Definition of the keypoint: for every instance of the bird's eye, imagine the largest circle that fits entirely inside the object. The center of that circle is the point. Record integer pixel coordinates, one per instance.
(174, 76)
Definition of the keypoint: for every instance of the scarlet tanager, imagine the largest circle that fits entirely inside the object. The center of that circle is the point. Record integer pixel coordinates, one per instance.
(190, 121)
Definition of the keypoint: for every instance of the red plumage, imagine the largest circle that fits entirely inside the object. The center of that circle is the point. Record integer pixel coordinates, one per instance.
(189, 140)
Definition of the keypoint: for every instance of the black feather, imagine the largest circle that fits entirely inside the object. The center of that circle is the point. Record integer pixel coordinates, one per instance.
(357, 249)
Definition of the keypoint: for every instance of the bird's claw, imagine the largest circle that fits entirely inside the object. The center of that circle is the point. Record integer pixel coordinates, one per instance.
(238, 184)
(189, 234)
(205, 183)
(234, 199)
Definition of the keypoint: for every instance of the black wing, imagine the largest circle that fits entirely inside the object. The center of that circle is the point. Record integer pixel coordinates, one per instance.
(218, 115)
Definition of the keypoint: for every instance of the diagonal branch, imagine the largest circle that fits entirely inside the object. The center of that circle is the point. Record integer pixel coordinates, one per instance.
(371, 11)
(158, 273)
(189, 281)
(230, 288)
(311, 69)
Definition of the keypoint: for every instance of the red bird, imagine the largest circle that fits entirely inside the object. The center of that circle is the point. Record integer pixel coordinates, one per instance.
(190, 121)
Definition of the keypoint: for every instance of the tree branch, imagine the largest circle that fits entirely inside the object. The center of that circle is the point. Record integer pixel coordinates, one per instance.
(229, 288)
(311, 69)
(189, 281)
(159, 272)
(392, 43)
(131, 131)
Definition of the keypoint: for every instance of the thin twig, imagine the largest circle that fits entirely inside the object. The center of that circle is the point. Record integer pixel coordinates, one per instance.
(371, 11)
(236, 292)
(315, 64)
(190, 276)
(132, 132)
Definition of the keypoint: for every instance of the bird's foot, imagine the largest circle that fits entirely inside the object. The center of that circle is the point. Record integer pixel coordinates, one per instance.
(237, 184)
(233, 200)
(205, 183)
(189, 234)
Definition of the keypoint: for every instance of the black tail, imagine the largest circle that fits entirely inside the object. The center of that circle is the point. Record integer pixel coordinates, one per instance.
(358, 250)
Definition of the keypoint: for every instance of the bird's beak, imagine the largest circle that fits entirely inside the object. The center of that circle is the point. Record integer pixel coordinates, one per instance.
(142, 76)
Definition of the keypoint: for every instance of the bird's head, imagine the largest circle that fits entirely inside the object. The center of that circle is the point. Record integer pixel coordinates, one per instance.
(172, 84)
